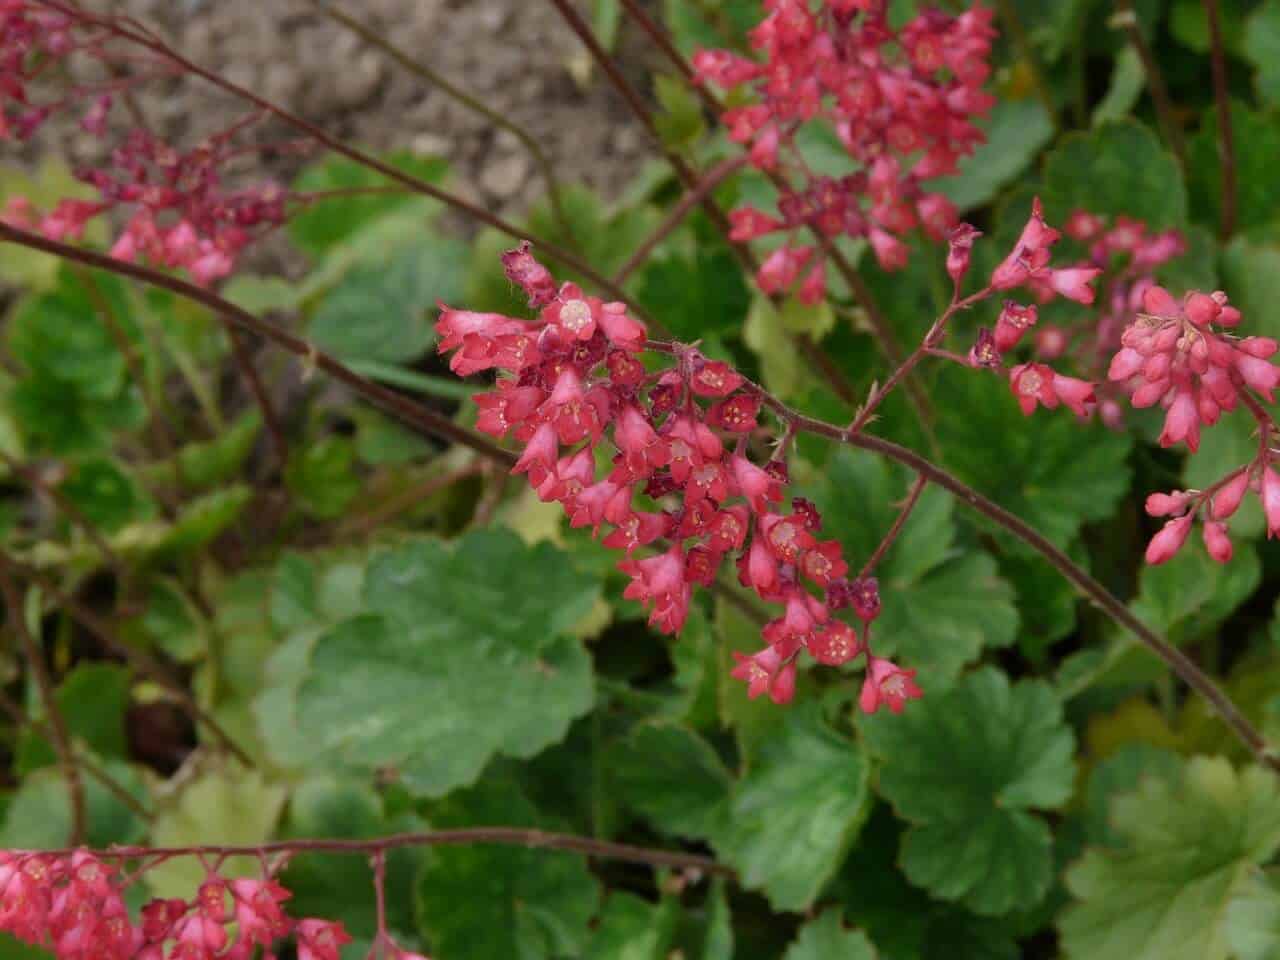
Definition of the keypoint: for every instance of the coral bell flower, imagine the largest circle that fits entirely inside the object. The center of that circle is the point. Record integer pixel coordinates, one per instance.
(888, 684)
(764, 672)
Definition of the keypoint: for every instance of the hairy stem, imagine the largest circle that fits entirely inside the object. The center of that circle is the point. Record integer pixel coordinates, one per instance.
(900, 521)
(1027, 52)
(710, 180)
(244, 360)
(926, 348)
(1127, 20)
(424, 72)
(469, 836)
(1226, 148)
(61, 739)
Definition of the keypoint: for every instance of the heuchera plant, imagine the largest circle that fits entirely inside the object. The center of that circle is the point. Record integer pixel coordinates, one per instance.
(674, 458)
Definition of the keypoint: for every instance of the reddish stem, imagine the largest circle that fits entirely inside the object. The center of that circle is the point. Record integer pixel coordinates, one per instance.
(504, 836)
(917, 488)
(1226, 147)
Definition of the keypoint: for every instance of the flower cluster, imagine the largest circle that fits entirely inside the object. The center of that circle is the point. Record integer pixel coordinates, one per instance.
(1127, 253)
(74, 906)
(29, 39)
(902, 102)
(1174, 354)
(1027, 264)
(180, 213)
(678, 476)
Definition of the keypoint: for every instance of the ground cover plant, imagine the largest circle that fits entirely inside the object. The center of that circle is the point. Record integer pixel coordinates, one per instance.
(852, 539)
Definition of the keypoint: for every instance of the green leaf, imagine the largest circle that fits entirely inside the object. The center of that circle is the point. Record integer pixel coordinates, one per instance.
(480, 633)
(322, 476)
(794, 814)
(1016, 132)
(699, 295)
(827, 939)
(61, 334)
(498, 902)
(224, 805)
(1188, 848)
(1251, 271)
(378, 311)
(1256, 137)
(325, 224)
(673, 778)
(1118, 168)
(941, 608)
(1048, 469)
(1253, 920)
(680, 122)
(105, 494)
(93, 699)
(1262, 48)
(630, 928)
(903, 921)
(1127, 83)
(718, 944)
(766, 335)
(967, 766)
(39, 813)
(200, 466)
(1186, 598)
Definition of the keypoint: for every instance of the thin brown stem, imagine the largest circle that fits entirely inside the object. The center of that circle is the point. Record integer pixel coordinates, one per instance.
(1226, 146)
(424, 72)
(926, 347)
(396, 403)
(709, 181)
(900, 521)
(368, 522)
(244, 361)
(145, 39)
(134, 656)
(1127, 20)
(61, 739)
(1027, 53)
(468, 836)
(82, 759)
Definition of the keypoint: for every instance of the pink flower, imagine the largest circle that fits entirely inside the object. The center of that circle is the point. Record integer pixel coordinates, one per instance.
(886, 683)
(531, 276)
(764, 672)
(1217, 542)
(1271, 501)
(1227, 500)
(320, 939)
(1013, 322)
(1074, 283)
(1168, 541)
(835, 644)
